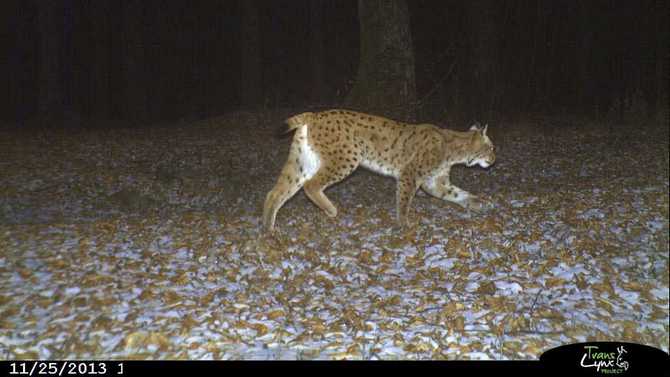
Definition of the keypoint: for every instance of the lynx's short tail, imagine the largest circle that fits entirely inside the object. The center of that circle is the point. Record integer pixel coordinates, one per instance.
(299, 120)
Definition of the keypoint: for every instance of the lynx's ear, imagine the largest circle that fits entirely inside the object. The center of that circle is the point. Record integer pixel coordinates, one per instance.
(478, 127)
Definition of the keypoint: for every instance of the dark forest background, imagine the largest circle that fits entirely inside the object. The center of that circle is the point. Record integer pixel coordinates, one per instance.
(152, 61)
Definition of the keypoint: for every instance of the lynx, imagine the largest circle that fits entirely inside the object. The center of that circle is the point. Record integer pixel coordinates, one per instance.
(330, 145)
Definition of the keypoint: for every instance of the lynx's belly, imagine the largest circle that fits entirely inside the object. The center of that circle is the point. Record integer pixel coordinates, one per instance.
(380, 167)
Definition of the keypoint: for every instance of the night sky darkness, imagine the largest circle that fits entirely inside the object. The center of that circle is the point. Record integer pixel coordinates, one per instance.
(167, 60)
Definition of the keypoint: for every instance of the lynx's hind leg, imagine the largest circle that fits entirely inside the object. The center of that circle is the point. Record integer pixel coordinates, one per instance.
(302, 163)
(314, 190)
(334, 168)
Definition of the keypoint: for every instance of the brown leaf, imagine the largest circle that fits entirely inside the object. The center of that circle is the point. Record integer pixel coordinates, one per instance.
(487, 288)
(275, 314)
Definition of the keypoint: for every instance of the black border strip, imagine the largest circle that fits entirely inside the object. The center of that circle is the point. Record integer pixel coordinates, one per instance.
(189, 368)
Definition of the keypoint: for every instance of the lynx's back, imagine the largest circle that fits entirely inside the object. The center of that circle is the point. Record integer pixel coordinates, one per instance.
(379, 144)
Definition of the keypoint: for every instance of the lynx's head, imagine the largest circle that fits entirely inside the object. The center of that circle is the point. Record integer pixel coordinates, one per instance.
(481, 147)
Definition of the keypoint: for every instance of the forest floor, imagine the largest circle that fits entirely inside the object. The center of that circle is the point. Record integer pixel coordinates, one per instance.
(146, 243)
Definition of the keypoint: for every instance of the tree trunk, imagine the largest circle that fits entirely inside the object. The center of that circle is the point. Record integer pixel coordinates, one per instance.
(17, 69)
(484, 57)
(385, 82)
(316, 20)
(134, 91)
(662, 56)
(537, 64)
(100, 88)
(195, 104)
(251, 69)
(50, 16)
(584, 96)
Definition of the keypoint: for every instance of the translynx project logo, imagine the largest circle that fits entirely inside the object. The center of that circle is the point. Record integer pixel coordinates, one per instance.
(607, 359)
(605, 362)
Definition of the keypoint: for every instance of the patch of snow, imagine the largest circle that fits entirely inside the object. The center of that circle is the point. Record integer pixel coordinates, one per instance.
(441, 263)
(567, 272)
(479, 356)
(656, 225)
(71, 291)
(471, 286)
(593, 213)
(662, 294)
(531, 247)
(509, 287)
(517, 203)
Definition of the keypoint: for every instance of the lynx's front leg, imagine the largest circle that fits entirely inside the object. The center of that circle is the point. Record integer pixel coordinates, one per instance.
(440, 187)
(405, 191)
(412, 177)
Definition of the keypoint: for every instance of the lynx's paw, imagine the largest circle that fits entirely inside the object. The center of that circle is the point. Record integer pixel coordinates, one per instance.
(478, 204)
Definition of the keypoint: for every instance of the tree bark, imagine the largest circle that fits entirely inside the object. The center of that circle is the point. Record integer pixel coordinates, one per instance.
(100, 88)
(17, 69)
(537, 59)
(484, 57)
(584, 60)
(251, 69)
(385, 82)
(50, 15)
(134, 81)
(316, 20)
(662, 76)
